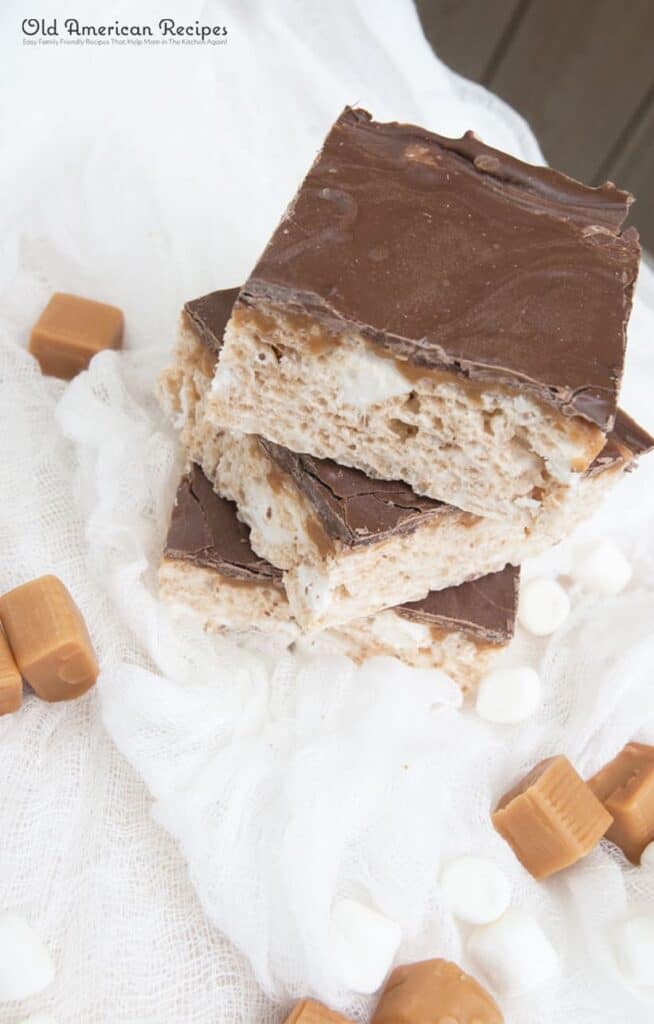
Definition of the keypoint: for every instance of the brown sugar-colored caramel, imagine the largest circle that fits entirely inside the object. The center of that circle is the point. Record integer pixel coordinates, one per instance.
(310, 1012)
(11, 682)
(49, 639)
(626, 788)
(435, 992)
(552, 818)
(71, 330)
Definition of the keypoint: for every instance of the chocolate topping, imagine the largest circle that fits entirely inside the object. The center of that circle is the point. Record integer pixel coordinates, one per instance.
(485, 607)
(209, 315)
(626, 442)
(352, 507)
(204, 529)
(453, 255)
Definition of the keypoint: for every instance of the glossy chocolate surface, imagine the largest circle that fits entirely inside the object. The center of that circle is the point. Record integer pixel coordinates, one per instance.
(453, 255)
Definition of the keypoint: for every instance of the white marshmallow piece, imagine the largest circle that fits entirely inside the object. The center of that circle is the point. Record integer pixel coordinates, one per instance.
(634, 941)
(365, 378)
(647, 856)
(602, 569)
(543, 606)
(475, 889)
(509, 695)
(363, 945)
(40, 1018)
(513, 954)
(26, 967)
(316, 588)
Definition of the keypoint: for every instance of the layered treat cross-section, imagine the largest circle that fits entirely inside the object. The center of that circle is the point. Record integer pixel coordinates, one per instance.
(209, 568)
(435, 311)
(350, 544)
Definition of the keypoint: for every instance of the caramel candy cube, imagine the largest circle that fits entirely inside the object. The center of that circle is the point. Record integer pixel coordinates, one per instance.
(552, 818)
(435, 991)
(11, 682)
(49, 639)
(310, 1012)
(626, 788)
(71, 330)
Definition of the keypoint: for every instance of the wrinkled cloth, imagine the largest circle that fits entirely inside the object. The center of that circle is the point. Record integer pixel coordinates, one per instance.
(178, 835)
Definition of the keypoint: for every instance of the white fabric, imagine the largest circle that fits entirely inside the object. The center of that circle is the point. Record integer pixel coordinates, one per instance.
(144, 177)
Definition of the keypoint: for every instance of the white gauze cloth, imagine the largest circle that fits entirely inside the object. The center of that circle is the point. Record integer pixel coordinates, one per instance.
(146, 177)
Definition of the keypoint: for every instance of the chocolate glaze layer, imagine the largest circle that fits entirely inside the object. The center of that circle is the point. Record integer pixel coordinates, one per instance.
(209, 315)
(453, 255)
(494, 599)
(204, 530)
(352, 507)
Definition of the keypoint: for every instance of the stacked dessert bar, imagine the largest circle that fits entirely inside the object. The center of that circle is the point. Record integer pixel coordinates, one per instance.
(415, 390)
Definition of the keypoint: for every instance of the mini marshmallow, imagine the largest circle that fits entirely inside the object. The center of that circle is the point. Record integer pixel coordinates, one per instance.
(647, 856)
(364, 943)
(509, 695)
(602, 569)
(634, 941)
(543, 606)
(475, 889)
(513, 954)
(26, 967)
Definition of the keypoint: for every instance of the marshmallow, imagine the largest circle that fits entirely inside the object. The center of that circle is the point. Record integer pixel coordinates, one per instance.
(40, 1018)
(647, 856)
(365, 378)
(363, 944)
(475, 889)
(635, 948)
(602, 569)
(543, 606)
(513, 954)
(509, 695)
(26, 967)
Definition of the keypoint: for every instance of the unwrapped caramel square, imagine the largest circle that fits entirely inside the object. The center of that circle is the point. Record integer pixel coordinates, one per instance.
(49, 639)
(11, 682)
(552, 818)
(626, 788)
(435, 991)
(310, 1012)
(71, 330)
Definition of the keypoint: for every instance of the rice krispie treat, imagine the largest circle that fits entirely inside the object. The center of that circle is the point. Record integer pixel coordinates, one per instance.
(208, 567)
(352, 545)
(435, 311)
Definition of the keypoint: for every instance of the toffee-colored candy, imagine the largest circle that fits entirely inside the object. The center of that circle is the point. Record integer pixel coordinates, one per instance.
(552, 818)
(310, 1012)
(435, 991)
(49, 639)
(11, 683)
(71, 330)
(626, 788)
